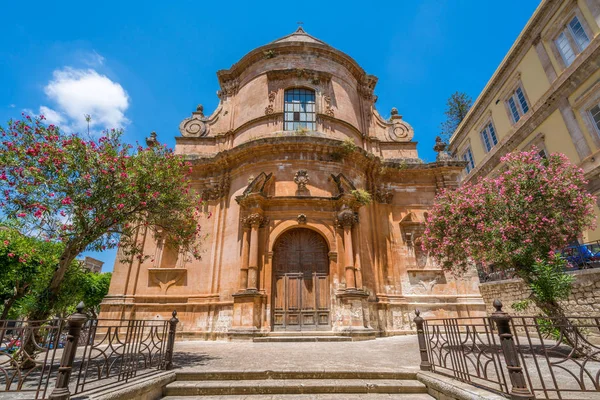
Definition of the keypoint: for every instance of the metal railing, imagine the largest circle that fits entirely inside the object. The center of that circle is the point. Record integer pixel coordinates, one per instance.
(578, 257)
(520, 357)
(57, 358)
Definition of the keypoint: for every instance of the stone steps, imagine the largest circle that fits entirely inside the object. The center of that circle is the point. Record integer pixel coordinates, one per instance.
(291, 384)
(224, 375)
(274, 339)
(342, 396)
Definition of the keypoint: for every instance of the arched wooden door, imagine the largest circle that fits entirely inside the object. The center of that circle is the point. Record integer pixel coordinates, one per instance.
(300, 282)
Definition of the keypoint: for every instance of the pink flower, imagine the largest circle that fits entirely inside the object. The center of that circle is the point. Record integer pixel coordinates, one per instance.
(21, 215)
(67, 200)
(121, 206)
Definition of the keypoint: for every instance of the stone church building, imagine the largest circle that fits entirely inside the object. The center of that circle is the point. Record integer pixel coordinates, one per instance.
(315, 205)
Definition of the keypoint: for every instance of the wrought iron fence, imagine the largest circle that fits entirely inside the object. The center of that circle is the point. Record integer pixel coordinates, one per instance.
(79, 354)
(521, 357)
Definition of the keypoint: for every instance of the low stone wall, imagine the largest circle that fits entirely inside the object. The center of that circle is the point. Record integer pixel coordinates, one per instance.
(584, 300)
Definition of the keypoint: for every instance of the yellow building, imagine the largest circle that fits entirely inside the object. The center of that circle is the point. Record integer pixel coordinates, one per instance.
(545, 93)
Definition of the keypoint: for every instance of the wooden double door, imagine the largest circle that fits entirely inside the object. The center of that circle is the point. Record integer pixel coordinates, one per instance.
(301, 282)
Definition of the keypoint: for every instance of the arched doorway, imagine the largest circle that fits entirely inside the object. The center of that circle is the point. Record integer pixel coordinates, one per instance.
(300, 282)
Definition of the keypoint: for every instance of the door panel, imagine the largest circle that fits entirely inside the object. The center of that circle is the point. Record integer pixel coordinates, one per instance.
(301, 281)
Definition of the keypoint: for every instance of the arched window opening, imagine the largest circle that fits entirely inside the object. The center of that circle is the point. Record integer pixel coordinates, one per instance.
(300, 112)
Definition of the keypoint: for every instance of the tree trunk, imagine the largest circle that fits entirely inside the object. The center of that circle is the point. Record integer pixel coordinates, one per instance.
(44, 311)
(569, 333)
(7, 306)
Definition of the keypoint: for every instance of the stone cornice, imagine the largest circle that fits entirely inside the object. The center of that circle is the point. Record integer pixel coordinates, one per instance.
(324, 149)
(507, 67)
(586, 64)
(258, 54)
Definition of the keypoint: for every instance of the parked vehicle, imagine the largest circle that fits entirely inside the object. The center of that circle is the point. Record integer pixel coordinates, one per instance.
(581, 256)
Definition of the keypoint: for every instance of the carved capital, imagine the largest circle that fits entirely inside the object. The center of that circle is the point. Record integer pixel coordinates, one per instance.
(254, 220)
(216, 189)
(346, 218)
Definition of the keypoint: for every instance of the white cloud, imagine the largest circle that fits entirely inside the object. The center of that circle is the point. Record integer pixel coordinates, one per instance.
(77, 92)
(93, 59)
(52, 117)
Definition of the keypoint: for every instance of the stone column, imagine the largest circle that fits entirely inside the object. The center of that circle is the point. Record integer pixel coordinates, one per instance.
(245, 256)
(581, 145)
(346, 219)
(357, 263)
(544, 59)
(255, 220)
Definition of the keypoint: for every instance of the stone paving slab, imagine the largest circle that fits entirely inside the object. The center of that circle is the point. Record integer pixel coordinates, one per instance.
(382, 354)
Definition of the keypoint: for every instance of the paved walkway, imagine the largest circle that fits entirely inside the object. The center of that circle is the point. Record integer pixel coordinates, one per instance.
(392, 353)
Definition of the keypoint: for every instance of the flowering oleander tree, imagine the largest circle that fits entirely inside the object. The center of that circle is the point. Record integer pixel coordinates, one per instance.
(516, 220)
(92, 194)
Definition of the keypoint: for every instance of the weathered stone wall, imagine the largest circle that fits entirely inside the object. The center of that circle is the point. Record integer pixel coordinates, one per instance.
(584, 299)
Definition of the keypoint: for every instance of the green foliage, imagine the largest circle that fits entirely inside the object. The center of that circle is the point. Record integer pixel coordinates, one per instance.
(348, 146)
(95, 288)
(362, 196)
(548, 328)
(22, 261)
(548, 280)
(520, 305)
(89, 194)
(457, 107)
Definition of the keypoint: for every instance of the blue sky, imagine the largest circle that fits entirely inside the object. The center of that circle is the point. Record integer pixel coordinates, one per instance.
(144, 66)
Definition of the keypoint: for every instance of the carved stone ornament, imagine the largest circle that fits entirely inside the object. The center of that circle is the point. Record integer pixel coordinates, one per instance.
(367, 87)
(196, 125)
(346, 218)
(217, 189)
(301, 218)
(269, 109)
(309, 75)
(254, 219)
(272, 95)
(328, 109)
(384, 195)
(228, 88)
(151, 140)
(399, 131)
(440, 148)
(301, 179)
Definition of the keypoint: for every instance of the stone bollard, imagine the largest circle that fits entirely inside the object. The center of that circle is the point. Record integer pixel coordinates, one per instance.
(419, 321)
(518, 390)
(74, 324)
(168, 361)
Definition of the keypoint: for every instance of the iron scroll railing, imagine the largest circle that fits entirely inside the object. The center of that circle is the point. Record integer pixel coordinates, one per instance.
(55, 359)
(519, 357)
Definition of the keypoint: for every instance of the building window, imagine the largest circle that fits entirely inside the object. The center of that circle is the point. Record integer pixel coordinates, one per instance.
(572, 41)
(488, 137)
(517, 104)
(542, 153)
(299, 108)
(595, 114)
(468, 157)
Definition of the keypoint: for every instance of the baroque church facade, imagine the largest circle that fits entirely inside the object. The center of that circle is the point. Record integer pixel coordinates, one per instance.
(315, 205)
